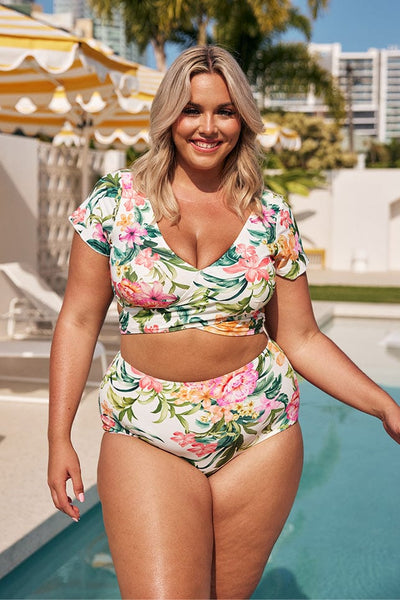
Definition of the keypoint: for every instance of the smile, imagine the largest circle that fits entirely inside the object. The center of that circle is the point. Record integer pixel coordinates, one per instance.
(205, 145)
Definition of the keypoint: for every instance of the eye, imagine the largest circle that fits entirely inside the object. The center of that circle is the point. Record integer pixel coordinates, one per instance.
(227, 112)
(191, 111)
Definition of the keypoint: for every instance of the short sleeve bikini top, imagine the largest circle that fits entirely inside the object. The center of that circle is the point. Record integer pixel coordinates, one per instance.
(160, 292)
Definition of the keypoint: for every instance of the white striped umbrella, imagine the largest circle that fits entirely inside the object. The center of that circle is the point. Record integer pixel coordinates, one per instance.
(49, 76)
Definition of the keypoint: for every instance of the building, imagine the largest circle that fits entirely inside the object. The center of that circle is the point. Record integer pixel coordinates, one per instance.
(111, 34)
(371, 79)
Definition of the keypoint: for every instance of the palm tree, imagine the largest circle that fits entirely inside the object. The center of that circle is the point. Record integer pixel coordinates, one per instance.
(147, 22)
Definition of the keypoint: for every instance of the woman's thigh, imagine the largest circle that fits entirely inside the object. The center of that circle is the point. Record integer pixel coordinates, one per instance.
(252, 498)
(157, 511)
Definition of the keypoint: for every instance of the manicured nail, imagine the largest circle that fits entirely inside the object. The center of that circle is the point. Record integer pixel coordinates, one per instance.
(74, 519)
(81, 497)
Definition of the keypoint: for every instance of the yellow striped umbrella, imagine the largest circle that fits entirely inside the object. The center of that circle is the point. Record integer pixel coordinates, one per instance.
(48, 76)
(276, 135)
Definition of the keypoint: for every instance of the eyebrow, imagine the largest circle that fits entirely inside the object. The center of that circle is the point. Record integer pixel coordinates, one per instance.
(224, 105)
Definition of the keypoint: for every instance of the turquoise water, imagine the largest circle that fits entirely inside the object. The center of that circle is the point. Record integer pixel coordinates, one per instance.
(341, 539)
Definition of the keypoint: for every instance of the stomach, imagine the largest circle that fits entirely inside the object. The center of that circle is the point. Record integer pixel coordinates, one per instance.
(190, 354)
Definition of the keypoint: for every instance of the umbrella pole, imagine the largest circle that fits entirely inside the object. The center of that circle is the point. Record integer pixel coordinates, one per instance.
(85, 162)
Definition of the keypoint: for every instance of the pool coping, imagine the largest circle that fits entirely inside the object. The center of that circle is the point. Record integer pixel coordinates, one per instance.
(38, 527)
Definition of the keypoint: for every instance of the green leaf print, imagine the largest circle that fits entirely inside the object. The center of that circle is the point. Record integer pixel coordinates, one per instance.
(128, 412)
(183, 422)
(117, 401)
(125, 256)
(101, 247)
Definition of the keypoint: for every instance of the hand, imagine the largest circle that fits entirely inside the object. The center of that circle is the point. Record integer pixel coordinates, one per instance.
(391, 422)
(64, 465)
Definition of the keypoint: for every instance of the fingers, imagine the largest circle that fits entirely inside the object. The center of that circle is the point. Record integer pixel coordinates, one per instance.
(62, 501)
(64, 465)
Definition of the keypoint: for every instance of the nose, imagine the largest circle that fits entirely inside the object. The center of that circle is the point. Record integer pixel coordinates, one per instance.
(208, 125)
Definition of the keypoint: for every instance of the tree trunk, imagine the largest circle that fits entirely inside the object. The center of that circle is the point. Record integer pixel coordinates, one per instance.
(202, 32)
(159, 54)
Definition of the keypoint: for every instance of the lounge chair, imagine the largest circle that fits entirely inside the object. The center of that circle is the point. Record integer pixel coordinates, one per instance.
(35, 306)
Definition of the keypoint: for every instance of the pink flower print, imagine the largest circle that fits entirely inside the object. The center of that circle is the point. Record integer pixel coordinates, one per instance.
(129, 193)
(147, 258)
(150, 383)
(201, 450)
(144, 294)
(128, 205)
(78, 216)
(267, 217)
(98, 233)
(285, 219)
(246, 252)
(133, 234)
(152, 296)
(268, 405)
(292, 409)
(108, 422)
(234, 387)
(183, 439)
(253, 269)
(151, 328)
(128, 290)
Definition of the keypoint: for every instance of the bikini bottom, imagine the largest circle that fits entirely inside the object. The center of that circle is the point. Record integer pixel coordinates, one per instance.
(205, 422)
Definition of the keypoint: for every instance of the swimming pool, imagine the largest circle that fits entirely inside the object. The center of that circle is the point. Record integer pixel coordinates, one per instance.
(341, 538)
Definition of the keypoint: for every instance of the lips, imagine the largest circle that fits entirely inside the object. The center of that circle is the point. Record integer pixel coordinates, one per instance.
(203, 145)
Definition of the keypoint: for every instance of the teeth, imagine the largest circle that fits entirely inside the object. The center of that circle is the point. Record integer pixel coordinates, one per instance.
(206, 144)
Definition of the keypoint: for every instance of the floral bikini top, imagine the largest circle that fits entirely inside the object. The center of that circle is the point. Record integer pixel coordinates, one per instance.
(160, 292)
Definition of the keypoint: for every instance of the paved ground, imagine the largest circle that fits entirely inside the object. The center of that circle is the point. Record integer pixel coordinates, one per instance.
(28, 516)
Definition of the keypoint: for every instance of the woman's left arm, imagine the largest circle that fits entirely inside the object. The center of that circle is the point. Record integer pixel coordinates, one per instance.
(291, 323)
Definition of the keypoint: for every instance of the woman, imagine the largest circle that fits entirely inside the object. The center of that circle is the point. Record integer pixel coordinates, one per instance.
(198, 484)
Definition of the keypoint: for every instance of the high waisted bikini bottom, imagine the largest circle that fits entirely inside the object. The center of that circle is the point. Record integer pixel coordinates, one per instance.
(205, 422)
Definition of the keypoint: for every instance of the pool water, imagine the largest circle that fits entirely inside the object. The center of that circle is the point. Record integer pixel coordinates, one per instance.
(341, 539)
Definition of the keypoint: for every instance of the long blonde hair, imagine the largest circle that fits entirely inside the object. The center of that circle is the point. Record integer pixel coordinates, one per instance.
(241, 179)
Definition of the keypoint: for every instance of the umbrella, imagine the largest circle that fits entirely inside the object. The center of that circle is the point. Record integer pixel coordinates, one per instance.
(276, 135)
(49, 76)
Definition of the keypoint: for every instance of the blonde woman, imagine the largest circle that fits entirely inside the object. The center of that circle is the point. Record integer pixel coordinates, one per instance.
(202, 451)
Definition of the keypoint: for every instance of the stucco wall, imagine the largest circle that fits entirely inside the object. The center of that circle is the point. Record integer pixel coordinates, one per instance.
(19, 188)
(356, 219)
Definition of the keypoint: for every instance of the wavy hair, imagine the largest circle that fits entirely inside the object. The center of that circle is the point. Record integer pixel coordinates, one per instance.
(241, 179)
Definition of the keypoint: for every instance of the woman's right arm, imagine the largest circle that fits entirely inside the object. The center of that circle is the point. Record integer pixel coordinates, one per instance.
(87, 297)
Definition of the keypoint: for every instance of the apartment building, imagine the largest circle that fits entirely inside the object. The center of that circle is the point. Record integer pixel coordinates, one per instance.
(371, 79)
(111, 34)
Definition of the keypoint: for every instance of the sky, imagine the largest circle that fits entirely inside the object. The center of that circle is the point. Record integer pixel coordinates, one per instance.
(357, 24)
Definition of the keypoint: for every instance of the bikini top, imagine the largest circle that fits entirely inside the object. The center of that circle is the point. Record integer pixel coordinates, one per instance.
(160, 292)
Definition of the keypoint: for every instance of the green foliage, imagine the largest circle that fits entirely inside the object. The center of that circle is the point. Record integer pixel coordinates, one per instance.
(384, 156)
(294, 181)
(321, 147)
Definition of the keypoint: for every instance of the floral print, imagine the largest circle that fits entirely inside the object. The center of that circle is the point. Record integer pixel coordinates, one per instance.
(206, 422)
(158, 291)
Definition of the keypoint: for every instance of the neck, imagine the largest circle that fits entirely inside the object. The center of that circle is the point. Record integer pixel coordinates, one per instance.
(207, 182)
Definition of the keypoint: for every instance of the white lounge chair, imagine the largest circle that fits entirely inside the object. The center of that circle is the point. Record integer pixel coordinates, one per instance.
(37, 306)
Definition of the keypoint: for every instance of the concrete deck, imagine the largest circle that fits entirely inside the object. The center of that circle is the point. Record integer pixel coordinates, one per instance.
(29, 518)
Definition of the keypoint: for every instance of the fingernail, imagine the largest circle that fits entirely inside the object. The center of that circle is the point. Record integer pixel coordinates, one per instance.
(74, 519)
(81, 497)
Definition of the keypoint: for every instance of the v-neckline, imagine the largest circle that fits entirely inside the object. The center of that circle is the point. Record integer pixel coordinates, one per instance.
(188, 264)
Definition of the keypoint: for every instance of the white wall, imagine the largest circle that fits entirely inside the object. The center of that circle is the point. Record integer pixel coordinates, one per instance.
(356, 219)
(19, 189)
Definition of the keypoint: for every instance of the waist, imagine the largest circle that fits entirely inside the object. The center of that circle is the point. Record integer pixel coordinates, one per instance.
(190, 354)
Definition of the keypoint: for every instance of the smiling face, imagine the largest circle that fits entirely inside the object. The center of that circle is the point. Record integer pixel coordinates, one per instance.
(208, 128)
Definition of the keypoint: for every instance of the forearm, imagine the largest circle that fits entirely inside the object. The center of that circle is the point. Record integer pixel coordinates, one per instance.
(70, 361)
(323, 364)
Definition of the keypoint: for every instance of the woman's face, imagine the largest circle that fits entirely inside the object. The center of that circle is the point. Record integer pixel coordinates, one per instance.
(208, 128)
